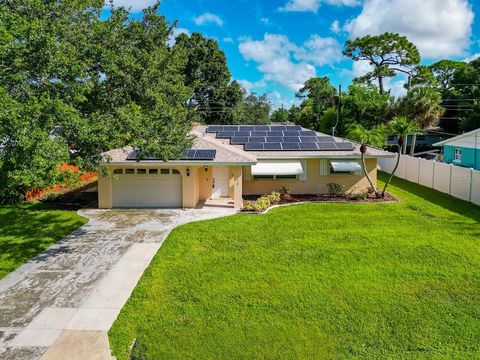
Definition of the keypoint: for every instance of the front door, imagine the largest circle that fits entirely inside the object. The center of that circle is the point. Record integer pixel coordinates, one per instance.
(220, 181)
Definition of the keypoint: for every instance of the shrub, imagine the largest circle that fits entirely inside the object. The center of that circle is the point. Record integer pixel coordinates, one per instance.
(359, 196)
(261, 204)
(336, 189)
(285, 189)
(274, 197)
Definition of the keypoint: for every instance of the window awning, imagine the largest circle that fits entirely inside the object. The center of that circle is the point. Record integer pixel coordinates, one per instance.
(277, 168)
(345, 165)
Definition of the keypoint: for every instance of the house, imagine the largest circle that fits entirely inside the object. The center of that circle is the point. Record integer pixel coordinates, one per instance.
(423, 142)
(229, 162)
(462, 150)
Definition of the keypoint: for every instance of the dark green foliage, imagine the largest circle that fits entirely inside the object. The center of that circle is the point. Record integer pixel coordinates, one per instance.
(335, 189)
(254, 109)
(388, 54)
(280, 115)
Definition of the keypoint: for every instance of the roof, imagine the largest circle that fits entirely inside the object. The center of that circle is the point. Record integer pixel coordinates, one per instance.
(355, 153)
(228, 154)
(474, 134)
(225, 154)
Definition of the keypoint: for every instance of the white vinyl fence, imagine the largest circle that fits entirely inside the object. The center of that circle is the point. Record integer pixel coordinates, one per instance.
(460, 182)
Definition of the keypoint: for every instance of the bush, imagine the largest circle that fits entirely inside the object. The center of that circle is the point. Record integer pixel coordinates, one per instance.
(285, 189)
(261, 204)
(274, 197)
(336, 189)
(359, 196)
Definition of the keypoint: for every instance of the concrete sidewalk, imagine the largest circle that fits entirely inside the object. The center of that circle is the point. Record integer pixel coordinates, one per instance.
(62, 303)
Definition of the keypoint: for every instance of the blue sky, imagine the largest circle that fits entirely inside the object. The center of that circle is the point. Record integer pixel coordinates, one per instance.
(274, 46)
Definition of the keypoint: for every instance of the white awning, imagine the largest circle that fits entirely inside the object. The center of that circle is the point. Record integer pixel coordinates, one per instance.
(291, 167)
(345, 165)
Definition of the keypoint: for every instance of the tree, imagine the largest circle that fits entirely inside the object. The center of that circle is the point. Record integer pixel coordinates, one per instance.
(280, 115)
(388, 54)
(423, 105)
(363, 104)
(440, 75)
(207, 74)
(255, 109)
(471, 121)
(318, 95)
(374, 137)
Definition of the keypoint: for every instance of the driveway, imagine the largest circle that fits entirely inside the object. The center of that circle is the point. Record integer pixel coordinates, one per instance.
(61, 303)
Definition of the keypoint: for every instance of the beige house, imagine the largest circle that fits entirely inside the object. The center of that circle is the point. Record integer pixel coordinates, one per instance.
(227, 162)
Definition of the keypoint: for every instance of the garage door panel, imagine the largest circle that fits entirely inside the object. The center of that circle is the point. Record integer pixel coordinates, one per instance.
(147, 191)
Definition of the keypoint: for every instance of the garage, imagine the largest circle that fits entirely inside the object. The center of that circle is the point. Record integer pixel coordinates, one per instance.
(147, 188)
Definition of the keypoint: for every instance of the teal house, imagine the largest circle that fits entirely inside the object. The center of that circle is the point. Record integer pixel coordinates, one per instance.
(462, 150)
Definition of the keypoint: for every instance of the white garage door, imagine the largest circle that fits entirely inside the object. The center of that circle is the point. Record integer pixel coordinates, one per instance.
(147, 188)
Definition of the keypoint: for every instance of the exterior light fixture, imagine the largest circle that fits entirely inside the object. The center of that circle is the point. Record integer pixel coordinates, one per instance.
(188, 172)
(206, 168)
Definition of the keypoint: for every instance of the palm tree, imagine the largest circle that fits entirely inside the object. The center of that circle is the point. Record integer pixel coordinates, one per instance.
(374, 137)
(401, 127)
(423, 105)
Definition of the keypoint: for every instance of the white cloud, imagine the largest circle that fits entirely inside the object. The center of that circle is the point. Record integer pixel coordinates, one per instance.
(472, 57)
(320, 51)
(278, 100)
(208, 18)
(335, 27)
(313, 5)
(265, 20)
(301, 5)
(228, 40)
(133, 5)
(177, 31)
(250, 85)
(274, 57)
(286, 63)
(439, 28)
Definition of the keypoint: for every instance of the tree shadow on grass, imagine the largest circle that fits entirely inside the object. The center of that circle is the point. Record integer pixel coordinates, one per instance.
(461, 207)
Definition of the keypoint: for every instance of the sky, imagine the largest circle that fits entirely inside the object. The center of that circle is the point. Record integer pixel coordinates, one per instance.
(275, 46)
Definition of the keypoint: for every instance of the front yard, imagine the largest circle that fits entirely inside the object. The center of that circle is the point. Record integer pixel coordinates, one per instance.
(28, 229)
(396, 280)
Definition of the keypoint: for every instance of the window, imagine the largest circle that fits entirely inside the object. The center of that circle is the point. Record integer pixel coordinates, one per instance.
(275, 177)
(175, 172)
(391, 137)
(141, 171)
(458, 155)
(153, 171)
(164, 171)
(118, 171)
(421, 137)
(129, 171)
(332, 171)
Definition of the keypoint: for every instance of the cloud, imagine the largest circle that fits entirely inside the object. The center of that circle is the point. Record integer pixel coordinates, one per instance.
(320, 51)
(265, 20)
(208, 18)
(439, 28)
(228, 40)
(286, 63)
(177, 31)
(278, 101)
(335, 27)
(313, 5)
(250, 85)
(133, 5)
(472, 57)
(274, 57)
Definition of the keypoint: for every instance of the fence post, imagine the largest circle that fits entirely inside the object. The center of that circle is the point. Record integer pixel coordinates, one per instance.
(418, 172)
(433, 174)
(471, 186)
(450, 181)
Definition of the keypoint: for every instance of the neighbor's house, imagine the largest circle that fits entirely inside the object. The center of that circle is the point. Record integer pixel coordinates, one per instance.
(423, 142)
(229, 162)
(462, 150)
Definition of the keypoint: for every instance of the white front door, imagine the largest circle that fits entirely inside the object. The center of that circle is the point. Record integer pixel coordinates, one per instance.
(220, 181)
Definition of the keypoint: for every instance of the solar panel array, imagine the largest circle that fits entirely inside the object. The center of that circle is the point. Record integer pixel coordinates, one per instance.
(277, 138)
(189, 154)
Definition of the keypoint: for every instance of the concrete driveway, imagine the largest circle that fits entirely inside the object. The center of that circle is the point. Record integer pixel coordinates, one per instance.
(60, 304)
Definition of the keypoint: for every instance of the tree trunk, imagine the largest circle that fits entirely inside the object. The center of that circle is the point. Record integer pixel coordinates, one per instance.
(399, 154)
(412, 147)
(380, 84)
(405, 145)
(368, 177)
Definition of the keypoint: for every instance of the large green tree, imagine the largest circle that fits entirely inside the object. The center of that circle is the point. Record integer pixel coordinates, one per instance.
(388, 54)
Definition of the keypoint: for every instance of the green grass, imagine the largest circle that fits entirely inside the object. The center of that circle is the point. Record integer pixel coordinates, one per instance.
(28, 229)
(373, 281)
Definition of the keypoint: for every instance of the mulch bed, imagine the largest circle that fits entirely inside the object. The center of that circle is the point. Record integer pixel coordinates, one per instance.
(296, 198)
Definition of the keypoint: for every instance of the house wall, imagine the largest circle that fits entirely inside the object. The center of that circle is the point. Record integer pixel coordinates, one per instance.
(314, 183)
(470, 156)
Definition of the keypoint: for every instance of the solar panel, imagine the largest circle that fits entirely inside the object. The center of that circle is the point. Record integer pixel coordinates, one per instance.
(272, 146)
(308, 139)
(274, 139)
(257, 139)
(262, 128)
(291, 146)
(225, 134)
(308, 133)
(242, 133)
(239, 140)
(214, 128)
(246, 128)
(258, 133)
(230, 128)
(308, 146)
(253, 146)
(132, 155)
(326, 147)
(204, 154)
(275, 133)
(291, 139)
(291, 133)
(344, 146)
(277, 127)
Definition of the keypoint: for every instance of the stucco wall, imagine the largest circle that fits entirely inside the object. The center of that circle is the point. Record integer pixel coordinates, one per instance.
(314, 183)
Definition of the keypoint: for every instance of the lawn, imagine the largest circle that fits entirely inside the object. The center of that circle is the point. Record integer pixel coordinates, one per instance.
(399, 280)
(28, 229)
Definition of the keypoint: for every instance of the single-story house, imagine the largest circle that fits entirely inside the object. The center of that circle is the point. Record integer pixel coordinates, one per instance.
(462, 150)
(229, 162)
